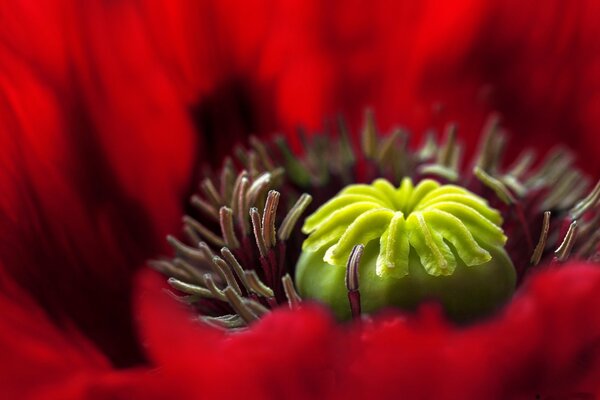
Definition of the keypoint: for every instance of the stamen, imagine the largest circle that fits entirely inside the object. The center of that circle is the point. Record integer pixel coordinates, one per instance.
(555, 163)
(206, 208)
(190, 289)
(428, 148)
(227, 230)
(206, 233)
(294, 169)
(446, 153)
(242, 205)
(290, 220)
(439, 171)
(498, 187)
(168, 269)
(256, 307)
(230, 321)
(211, 192)
(212, 287)
(257, 286)
(258, 235)
(258, 188)
(575, 194)
(253, 167)
(565, 247)
(235, 265)
(268, 221)
(541, 245)
(184, 250)
(488, 150)
(191, 234)
(345, 147)
(292, 296)
(241, 155)
(194, 273)
(369, 136)
(522, 164)
(261, 150)
(239, 306)
(352, 280)
(209, 260)
(227, 180)
(186, 299)
(386, 150)
(584, 205)
(226, 270)
(561, 189)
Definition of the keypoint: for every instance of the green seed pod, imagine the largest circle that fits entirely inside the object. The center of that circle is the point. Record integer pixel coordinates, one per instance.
(429, 242)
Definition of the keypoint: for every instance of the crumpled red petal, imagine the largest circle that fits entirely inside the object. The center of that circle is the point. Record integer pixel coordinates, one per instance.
(92, 171)
(546, 342)
(42, 361)
(420, 63)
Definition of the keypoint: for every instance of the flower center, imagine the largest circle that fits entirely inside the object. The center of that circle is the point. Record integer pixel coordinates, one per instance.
(429, 231)
(390, 246)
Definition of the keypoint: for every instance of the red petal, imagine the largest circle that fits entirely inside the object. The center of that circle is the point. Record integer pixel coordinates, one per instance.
(94, 165)
(547, 342)
(42, 361)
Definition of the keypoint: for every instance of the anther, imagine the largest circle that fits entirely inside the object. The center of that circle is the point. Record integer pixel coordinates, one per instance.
(258, 188)
(295, 170)
(184, 250)
(256, 307)
(352, 280)
(235, 265)
(190, 289)
(238, 305)
(563, 251)
(261, 150)
(203, 231)
(290, 220)
(211, 192)
(369, 136)
(206, 208)
(498, 187)
(587, 203)
(541, 245)
(292, 296)
(227, 229)
(226, 270)
(194, 273)
(209, 260)
(446, 153)
(346, 150)
(168, 269)
(258, 235)
(428, 148)
(212, 287)
(191, 234)
(257, 286)
(487, 146)
(268, 221)
(227, 180)
(230, 321)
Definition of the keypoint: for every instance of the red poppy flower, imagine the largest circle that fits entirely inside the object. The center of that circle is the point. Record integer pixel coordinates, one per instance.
(99, 106)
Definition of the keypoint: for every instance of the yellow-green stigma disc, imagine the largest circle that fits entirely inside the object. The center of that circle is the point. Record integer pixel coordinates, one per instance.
(428, 242)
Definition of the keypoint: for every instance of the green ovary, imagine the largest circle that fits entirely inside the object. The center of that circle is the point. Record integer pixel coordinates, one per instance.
(429, 242)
